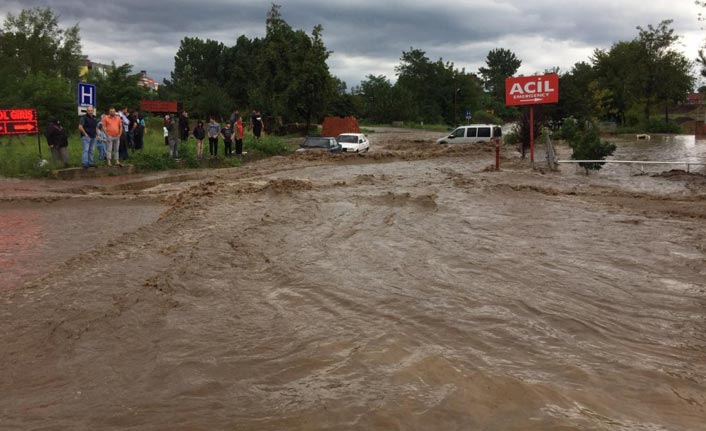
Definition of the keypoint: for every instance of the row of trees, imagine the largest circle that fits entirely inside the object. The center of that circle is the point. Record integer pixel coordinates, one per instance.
(285, 74)
(437, 92)
(628, 81)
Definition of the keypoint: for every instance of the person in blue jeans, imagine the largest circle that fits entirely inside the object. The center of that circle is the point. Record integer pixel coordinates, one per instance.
(88, 126)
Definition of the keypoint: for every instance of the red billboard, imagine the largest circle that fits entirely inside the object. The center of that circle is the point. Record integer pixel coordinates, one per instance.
(159, 106)
(18, 121)
(532, 90)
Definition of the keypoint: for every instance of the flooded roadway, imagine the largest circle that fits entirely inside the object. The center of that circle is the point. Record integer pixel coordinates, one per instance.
(412, 290)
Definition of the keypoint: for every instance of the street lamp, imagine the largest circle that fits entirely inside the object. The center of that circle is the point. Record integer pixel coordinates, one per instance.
(455, 110)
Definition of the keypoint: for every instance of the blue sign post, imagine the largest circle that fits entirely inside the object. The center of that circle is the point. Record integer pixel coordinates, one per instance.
(468, 115)
(86, 97)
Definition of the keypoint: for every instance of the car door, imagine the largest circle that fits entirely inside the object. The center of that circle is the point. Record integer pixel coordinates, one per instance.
(457, 136)
(470, 137)
(363, 144)
(484, 134)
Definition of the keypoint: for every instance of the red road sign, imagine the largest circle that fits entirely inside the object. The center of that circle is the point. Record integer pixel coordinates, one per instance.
(532, 90)
(161, 106)
(18, 121)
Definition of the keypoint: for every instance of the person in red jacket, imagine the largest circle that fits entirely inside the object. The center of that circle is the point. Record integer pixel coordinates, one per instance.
(238, 137)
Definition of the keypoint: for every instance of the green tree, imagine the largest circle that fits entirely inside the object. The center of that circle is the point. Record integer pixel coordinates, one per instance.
(118, 88)
(39, 64)
(675, 80)
(656, 44)
(198, 64)
(32, 42)
(577, 93)
(586, 143)
(241, 61)
(439, 92)
(378, 99)
(341, 103)
(619, 75)
(293, 79)
(501, 64)
(312, 84)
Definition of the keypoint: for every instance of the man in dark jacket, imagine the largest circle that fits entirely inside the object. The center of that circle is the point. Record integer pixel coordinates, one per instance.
(88, 126)
(184, 125)
(58, 141)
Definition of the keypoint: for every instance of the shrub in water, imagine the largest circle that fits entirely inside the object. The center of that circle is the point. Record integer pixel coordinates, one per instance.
(587, 145)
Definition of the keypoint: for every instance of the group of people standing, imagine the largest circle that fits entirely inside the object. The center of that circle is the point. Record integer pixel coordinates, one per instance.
(120, 129)
(177, 130)
(111, 135)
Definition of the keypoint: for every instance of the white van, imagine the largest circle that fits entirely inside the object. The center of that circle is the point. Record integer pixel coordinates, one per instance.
(471, 134)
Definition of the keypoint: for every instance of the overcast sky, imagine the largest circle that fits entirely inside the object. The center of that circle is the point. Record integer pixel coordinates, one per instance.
(368, 36)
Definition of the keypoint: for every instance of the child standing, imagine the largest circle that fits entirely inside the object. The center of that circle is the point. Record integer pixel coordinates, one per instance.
(101, 142)
(238, 137)
(214, 129)
(227, 134)
(199, 135)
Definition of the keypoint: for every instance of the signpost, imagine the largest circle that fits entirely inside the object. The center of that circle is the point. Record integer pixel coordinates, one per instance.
(22, 121)
(86, 97)
(18, 121)
(159, 106)
(532, 90)
(468, 115)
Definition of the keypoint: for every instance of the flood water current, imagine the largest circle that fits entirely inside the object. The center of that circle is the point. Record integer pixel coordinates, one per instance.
(417, 292)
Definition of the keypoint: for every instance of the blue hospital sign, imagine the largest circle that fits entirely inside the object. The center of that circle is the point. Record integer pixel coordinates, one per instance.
(86, 94)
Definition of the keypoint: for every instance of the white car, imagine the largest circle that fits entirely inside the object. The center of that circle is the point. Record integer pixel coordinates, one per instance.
(354, 142)
(471, 134)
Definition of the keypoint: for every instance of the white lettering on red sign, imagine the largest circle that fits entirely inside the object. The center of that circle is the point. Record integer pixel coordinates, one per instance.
(532, 87)
(526, 90)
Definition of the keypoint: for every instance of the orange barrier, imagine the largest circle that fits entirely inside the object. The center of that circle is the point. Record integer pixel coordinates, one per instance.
(334, 126)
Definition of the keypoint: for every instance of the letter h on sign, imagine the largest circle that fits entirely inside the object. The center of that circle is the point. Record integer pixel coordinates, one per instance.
(86, 94)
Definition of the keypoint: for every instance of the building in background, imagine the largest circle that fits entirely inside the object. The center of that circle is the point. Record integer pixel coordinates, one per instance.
(147, 82)
(87, 65)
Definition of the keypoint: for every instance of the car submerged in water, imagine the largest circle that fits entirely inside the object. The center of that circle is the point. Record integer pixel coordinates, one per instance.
(354, 142)
(471, 134)
(318, 143)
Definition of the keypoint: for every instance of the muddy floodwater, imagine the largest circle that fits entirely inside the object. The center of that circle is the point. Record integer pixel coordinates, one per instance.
(411, 288)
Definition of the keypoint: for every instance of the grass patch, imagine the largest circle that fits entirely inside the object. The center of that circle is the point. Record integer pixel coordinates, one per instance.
(267, 146)
(21, 160)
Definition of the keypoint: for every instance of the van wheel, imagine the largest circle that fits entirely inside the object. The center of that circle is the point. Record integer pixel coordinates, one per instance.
(443, 143)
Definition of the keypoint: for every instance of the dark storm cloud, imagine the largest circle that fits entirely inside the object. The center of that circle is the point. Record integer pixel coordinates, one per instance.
(369, 36)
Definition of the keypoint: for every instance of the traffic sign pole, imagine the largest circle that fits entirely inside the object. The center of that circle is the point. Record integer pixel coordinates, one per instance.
(531, 133)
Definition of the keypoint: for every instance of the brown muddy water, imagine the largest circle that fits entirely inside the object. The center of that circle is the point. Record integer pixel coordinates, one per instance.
(412, 289)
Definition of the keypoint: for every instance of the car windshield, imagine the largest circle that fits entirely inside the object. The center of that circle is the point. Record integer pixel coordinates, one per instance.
(315, 142)
(348, 139)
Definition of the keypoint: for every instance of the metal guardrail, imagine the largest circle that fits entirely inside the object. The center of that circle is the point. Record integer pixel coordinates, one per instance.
(636, 162)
